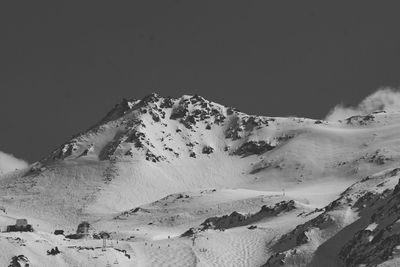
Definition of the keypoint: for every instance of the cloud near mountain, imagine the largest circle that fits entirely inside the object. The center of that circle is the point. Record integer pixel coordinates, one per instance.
(10, 163)
(387, 99)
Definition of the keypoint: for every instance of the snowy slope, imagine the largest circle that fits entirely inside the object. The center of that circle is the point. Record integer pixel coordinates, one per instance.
(154, 168)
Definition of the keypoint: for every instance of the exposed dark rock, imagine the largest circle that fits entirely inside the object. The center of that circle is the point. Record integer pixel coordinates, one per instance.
(84, 153)
(178, 113)
(236, 219)
(361, 120)
(207, 150)
(378, 158)
(189, 121)
(59, 232)
(278, 259)
(284, 138)
(136, 137)
(361, 251)
(219, 119)
(234, 129)
(365, 200)
(252, 122)
(189, 232)
(131, 212)
(53, 251)
(196, 98)
(155, 116)
(180, 196)
(151, 98)
(107, 152)
(19, 261)
(129, 153)
(253, 147)
(396, 188)
(231, 110)
(167, 103)
(154, 158)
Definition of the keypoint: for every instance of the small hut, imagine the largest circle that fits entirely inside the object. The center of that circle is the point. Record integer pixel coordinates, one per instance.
(21, 225)
(81, 232)
(59, 232)
(21, 222)
(83, 228)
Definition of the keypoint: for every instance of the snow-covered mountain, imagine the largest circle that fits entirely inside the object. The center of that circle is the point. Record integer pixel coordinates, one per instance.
(185, 182)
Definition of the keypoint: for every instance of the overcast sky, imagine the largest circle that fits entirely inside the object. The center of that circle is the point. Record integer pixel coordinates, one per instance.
(63, 65)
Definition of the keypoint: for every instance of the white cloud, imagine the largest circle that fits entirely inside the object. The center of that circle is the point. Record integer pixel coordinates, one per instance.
(9, 163)
(387, 99)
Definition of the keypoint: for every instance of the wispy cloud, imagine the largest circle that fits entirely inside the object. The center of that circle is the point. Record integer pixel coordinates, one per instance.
(9, 163)
(387, 99)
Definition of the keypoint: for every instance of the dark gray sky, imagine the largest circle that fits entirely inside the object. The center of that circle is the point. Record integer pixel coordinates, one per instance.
(63, 65)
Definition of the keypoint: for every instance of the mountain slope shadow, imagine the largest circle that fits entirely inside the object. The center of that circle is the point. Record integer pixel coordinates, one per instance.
(328, 252)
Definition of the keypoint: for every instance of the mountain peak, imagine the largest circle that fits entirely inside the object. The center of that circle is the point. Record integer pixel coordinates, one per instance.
(157, 103)
(144, 123)
(157, 128)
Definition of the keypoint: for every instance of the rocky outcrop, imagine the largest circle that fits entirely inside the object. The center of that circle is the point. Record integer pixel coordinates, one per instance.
(240, 126)
(373, 236)
(360, 120)
(207, 150)
(365, 249)
(376, 243)
(236, 219)
(253, 148)
(19, 261)
(191, 110)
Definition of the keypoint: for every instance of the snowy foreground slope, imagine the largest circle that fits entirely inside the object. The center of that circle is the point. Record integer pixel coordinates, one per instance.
(188, 182)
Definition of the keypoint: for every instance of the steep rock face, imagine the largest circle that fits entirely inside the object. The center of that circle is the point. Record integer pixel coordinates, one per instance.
(377, 242)
(368, 237)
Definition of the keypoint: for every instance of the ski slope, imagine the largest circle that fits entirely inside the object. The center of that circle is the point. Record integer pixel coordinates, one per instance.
(154, 168)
